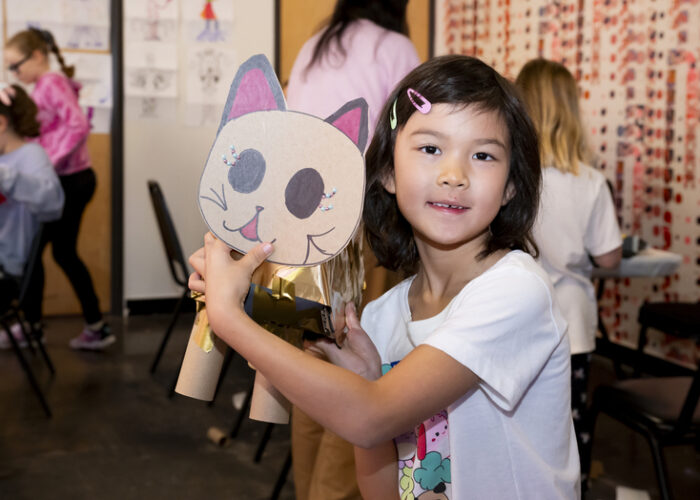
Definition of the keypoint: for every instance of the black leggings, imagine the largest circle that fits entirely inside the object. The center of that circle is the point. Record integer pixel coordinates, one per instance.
(9, 289)
(580, 368)
(63, 236)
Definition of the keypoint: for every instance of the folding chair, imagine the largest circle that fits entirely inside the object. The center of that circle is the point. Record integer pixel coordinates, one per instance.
(663, 409)
(33, 337)
(176, 260)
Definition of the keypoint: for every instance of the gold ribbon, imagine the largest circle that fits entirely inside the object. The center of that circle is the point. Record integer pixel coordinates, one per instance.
(202, 334)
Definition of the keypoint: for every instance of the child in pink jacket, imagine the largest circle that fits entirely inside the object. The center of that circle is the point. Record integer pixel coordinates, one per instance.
(63, 134)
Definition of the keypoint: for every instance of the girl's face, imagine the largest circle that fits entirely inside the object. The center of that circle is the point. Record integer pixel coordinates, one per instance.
(27, 68)
(450, 174)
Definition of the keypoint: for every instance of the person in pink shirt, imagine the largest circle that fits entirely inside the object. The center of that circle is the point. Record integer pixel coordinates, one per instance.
(362, 52)
(63, 134)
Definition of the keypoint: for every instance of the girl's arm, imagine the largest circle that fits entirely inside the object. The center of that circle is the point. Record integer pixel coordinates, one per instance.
(72, 127)
(377, 471)
(366, 413)
(375, 468)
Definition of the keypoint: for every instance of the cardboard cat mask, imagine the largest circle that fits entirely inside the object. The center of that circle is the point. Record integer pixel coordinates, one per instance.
(283, 176)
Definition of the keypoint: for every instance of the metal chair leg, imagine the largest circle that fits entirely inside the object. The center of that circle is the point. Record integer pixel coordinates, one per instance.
(282, 477)
(660, 467)
(244, 411)
(40, 345)
(27, 369)
(263, 443)
(166, 337)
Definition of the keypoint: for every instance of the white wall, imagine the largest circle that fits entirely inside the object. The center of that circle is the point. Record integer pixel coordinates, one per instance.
(174, 154)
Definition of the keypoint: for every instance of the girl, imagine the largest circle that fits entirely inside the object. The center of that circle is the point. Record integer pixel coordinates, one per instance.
(30, 193)
(467, 360)
(64, 131)
(576, 206)
(362, 52)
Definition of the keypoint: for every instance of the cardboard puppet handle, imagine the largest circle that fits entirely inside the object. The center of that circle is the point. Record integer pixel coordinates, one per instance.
(204, 357)
(267, 403)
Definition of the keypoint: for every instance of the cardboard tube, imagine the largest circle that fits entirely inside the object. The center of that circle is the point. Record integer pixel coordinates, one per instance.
(267, 403)
(217, 436)
(200, 369)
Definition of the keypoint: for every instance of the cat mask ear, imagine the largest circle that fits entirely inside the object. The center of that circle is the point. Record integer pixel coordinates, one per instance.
(255, 88)
(352, 120)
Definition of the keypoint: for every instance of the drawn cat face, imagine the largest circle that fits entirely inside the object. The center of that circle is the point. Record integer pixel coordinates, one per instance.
(283, 176)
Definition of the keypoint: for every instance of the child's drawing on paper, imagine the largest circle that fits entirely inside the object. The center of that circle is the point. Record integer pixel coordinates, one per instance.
(211, 31)
(153, 9)
(283, 176)
(209, 70)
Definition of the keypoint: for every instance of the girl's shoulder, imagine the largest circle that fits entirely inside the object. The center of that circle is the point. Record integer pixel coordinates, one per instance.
(514, 272)
(52, 82)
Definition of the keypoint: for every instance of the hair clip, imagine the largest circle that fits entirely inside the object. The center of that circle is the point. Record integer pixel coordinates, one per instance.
(393, 120)
(423, 108)
(326, 196)
(233, 154)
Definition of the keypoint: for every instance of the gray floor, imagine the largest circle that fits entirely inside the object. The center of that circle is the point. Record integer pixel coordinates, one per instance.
(115, 434)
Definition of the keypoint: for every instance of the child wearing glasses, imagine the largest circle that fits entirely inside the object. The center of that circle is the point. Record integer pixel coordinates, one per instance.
(63, 134)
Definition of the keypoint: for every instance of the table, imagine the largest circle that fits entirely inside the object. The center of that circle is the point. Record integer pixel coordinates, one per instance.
(648, 263)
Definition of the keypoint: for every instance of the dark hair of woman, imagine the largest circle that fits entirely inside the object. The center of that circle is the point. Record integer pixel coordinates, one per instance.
(389, 14)
(461, 81)
(21, 114)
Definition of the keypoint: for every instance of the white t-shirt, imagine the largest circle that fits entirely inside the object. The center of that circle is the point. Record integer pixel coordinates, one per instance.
(576, 219)
(511, 437)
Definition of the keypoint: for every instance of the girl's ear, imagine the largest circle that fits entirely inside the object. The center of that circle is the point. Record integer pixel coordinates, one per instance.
(4, 124)
(389, 183)
(508, 194)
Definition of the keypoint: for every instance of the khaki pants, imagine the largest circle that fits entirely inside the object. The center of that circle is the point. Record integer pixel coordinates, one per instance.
(323, 463)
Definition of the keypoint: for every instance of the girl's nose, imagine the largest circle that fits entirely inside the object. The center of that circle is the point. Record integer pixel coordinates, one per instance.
(453, 175)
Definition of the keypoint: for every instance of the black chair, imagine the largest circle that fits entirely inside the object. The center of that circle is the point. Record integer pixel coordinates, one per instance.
(14, 313)
(176, 260)
(663, 409)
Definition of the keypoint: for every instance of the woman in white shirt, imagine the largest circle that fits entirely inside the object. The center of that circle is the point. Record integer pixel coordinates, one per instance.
(576, 224)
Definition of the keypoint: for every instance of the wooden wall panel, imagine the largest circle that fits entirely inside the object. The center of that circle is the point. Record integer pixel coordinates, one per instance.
(94, 241)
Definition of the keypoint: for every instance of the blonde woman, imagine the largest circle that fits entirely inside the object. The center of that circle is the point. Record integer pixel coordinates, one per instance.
(576, 220)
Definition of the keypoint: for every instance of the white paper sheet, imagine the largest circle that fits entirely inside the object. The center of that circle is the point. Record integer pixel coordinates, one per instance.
(210, 70)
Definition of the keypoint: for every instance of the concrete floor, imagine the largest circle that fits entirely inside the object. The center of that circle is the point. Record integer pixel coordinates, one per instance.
(116, 435)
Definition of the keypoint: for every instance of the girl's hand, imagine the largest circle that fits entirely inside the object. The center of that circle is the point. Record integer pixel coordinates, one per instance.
(358, 353)
(224, 281)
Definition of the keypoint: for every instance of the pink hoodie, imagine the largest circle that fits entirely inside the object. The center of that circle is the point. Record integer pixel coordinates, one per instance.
(64, 126)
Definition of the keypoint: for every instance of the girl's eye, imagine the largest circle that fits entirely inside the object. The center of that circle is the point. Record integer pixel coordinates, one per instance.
(431, 150)
(483, 157)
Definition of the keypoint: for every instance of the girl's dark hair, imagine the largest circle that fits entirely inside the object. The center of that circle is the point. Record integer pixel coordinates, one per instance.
(389, 14)
(461, 81)
(21, 114)
(32, 39)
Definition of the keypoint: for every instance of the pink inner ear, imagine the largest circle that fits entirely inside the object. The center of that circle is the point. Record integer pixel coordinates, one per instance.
(253, 94)
(349, 124)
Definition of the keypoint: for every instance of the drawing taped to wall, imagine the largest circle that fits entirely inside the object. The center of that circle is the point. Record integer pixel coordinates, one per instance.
(211, 31)
(207, 21)
(206, 68)
(75, 24)
(150, 82)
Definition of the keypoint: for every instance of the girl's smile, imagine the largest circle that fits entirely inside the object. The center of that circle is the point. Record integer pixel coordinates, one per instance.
(450, 173)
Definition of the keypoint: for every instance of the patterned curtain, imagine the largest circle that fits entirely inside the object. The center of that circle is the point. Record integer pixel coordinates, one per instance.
(636, 62)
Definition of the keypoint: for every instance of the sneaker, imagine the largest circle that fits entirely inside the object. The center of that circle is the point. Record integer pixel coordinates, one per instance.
(90, 340)
(16, 332)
